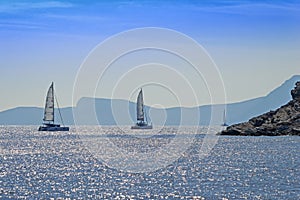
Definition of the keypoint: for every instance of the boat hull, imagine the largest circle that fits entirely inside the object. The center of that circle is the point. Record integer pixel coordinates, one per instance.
(53, 128)
(141, 127)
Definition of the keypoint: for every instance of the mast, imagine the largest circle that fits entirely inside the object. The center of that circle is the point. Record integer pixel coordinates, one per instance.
(140, 106)
(49, 105)
(224, 118)
(61, 119)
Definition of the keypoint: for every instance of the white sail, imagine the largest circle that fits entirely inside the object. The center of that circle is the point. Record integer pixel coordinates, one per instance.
(140, 106)
(224, 119)
(49, 106)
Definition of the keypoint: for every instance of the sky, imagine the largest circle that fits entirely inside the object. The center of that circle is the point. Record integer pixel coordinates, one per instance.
(254, 44)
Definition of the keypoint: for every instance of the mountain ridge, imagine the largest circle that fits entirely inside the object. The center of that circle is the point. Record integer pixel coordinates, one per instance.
(84, 111)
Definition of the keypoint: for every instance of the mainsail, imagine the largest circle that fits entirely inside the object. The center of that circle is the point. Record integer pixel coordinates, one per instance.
(140, 107)
(49, 106)
(224, 119)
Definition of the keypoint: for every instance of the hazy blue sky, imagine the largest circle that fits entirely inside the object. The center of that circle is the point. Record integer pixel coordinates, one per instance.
(255, 44)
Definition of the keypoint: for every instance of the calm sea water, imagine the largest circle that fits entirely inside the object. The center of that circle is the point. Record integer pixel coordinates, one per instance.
(42, 165)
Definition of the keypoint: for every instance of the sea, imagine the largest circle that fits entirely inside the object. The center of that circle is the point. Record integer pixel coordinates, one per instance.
(111, 162)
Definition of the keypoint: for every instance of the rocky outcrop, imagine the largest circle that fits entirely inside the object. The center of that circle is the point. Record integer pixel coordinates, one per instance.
(296, 92)
(283, 121)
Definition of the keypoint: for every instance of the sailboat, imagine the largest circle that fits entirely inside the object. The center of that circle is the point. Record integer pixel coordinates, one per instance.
(141, 121)
(48, 124)
(224, 119)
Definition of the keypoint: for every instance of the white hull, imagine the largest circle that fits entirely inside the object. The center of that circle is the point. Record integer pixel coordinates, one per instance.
(53, 127)
(42, 128)
(141, 127)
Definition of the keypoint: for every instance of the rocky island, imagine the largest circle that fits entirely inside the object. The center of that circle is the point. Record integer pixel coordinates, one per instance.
(283, 121)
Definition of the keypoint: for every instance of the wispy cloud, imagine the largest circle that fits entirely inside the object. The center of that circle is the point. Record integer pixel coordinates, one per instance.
(19, 6)
(76, 17)
(20, 25)
(251, 7)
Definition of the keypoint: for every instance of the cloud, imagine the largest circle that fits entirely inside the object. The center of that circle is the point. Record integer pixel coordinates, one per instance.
(20, 25)
(20, 6)
(76, 17)
(250, 7)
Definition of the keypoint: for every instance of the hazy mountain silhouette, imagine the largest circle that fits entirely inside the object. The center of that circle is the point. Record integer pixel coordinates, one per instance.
(122, 112)
(31, 116)
(243, 111)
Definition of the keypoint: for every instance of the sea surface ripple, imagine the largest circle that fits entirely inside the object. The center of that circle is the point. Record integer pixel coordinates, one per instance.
(45, 165)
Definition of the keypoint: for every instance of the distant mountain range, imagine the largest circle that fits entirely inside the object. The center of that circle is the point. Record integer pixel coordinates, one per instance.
(122, 112)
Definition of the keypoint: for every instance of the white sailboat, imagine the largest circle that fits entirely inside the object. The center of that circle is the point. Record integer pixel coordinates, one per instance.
(224, 119)
(141, 121)
(48, 124)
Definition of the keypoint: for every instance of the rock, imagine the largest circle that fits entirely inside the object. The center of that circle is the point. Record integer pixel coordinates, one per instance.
(296, 92)
(296, 130)
(283, 121)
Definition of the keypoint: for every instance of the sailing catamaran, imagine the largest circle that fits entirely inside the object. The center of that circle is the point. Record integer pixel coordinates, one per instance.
(48, 119)
(141, 122)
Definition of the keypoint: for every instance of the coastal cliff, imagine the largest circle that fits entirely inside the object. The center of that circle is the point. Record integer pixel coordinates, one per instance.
(283, 121)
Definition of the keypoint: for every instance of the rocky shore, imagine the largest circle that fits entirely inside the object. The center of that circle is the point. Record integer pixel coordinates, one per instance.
(283, 121)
